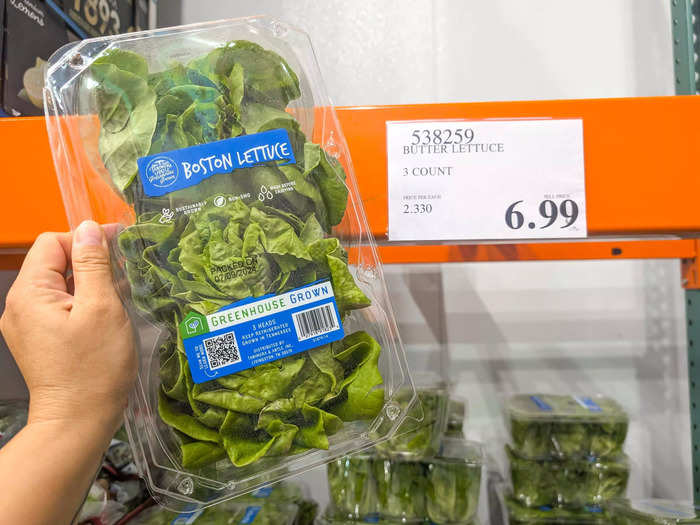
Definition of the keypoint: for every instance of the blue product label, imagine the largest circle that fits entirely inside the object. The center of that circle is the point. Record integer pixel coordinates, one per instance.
(250, 515)
(541, 404)
(174, 170)
(262, 492)
(186, 518)
(588, 403)
(256, 331)
(371, 518)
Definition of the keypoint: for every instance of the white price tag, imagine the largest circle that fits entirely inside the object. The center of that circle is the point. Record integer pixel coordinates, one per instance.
(487, 179)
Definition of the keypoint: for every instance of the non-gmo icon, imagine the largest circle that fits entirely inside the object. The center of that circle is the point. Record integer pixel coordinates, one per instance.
(161, 172)
(219, 201)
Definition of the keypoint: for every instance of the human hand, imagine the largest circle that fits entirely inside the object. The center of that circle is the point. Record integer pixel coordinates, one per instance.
(71, 338)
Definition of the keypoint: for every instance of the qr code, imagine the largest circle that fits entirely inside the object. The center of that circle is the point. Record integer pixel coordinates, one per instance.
(222, 350)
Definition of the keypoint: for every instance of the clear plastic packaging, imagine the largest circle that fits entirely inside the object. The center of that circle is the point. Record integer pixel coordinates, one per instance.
(456, 416)
(420, 433)
(544, 426)
(443, 489)
(401, 484)
(352, 487)
(454, 482)
(652, 511)
(267, 344)
(331, 518)
(567, 482)
(521, 515)
(225, 514)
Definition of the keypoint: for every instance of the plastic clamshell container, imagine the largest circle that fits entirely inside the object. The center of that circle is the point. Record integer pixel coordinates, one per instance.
(262, 514)
(443, 489)
(352, 487)
(453, 482)
(521, 515)
(401, 484)
(420, 433)
(652, 511)
(215, 146)
(567, 482)
(544, 425)
(330, 517)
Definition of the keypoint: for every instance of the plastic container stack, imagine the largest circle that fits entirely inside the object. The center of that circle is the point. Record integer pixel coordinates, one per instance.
(566, 458)
(423, 474)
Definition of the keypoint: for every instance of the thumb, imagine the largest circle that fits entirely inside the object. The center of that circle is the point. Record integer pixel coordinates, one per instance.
(92, 274)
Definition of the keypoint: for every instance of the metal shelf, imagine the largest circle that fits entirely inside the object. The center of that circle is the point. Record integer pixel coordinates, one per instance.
(633, 188)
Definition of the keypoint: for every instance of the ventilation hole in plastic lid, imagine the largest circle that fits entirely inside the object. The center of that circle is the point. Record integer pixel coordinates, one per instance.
(76, 60)
(186, 486)
(279, 29)
(331, 146)
(392, 411)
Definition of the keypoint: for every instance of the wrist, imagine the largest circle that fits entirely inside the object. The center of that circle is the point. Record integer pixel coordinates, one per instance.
(97, 420)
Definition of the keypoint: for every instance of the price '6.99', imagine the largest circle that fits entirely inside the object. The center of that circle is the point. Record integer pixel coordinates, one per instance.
(563, 215)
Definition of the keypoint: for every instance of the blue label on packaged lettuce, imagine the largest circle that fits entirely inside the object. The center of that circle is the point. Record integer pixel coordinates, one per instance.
(588, 403)
(371, 518)
(250, 515)
(174, 170)
(541, 404)
(256, 331)
(262, 492)
(186, 518)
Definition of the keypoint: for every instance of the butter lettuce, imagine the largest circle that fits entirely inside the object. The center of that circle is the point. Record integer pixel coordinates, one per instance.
(207, 246)
(544, 426)
(570, 483)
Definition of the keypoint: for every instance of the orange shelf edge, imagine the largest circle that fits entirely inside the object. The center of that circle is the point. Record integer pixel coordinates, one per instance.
(639, 158)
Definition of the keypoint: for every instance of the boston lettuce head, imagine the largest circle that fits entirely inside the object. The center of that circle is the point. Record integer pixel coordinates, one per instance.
(248, 233)
(565, 426)
(567, 482)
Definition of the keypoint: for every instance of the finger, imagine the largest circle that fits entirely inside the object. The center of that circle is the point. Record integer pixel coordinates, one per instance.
(46, 262)
(112, 230)
(92, 274)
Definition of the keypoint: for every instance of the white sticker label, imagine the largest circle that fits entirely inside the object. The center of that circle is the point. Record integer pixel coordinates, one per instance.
(486, 180)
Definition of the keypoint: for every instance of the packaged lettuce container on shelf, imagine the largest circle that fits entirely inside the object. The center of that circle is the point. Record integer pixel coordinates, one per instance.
(567, 482)
(279, 514)
(266, 340)
(330, 517)
(400, 488)
(521, 515)
(652, 511)
(543, 425)
(453, 482)
(420, 433)
(351, 486)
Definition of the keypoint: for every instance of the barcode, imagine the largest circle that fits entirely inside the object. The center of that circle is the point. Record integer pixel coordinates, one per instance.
(222, 350)
(316, 321)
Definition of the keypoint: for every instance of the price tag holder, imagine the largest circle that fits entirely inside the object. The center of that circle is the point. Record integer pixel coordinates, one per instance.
(486, 180)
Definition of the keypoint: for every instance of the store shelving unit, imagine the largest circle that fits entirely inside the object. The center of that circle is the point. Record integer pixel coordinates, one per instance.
(684, 20)
(641, 200)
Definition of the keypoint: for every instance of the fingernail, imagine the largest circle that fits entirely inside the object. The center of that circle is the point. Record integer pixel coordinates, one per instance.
(88, 233)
